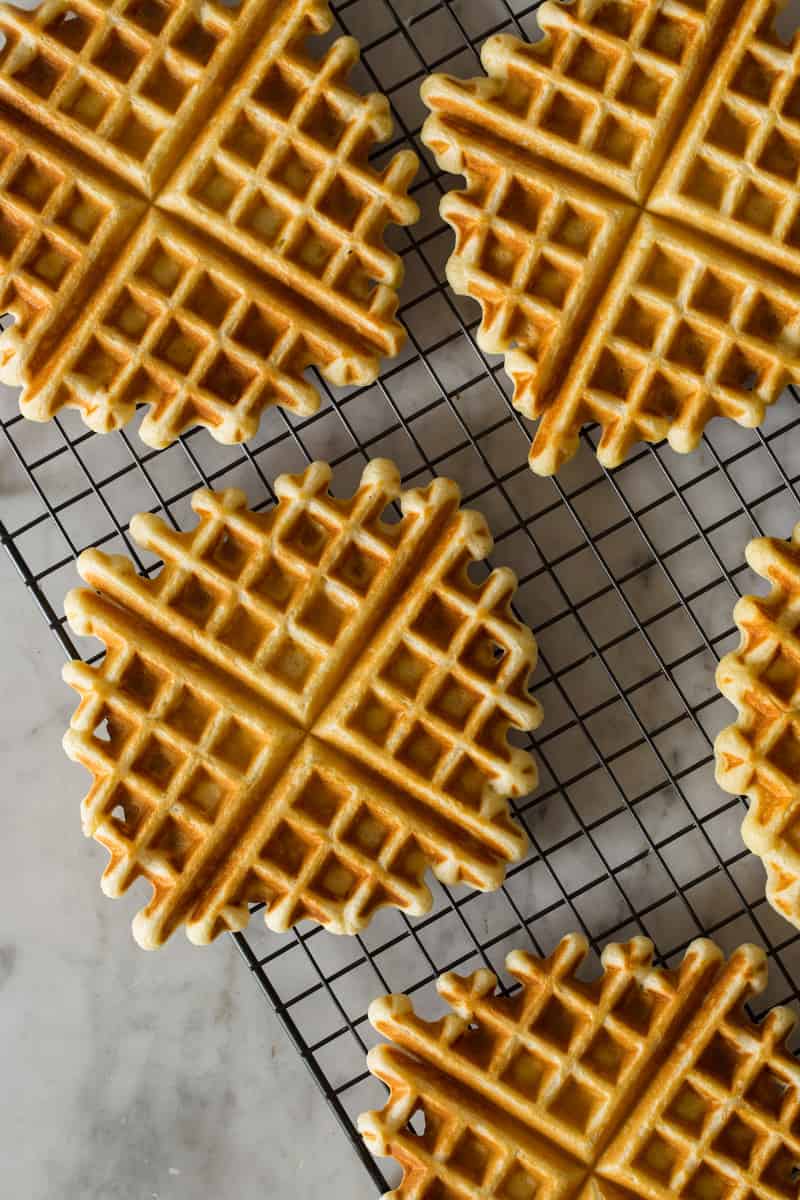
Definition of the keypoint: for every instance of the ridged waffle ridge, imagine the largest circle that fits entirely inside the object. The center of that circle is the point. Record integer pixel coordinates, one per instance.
(644, 1083)
(597, 164)
(187, 215)
(304, 708)
(759, 756)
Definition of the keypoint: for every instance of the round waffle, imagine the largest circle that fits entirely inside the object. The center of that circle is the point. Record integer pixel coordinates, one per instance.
(188, 217)
(625, 216)
(642, 1084)
(305, 708)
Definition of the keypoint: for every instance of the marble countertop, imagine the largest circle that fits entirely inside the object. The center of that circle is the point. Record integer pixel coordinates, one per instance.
(126, 1075)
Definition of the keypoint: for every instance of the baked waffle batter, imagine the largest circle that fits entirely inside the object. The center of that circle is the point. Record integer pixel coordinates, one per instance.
(643, 1084)
(188, 219)
(304, 708)
(631, 222)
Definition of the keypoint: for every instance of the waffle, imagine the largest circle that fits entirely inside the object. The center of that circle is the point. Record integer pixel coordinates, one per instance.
(597, 165)
(686, 332)
(644, 1083)
(303, 709)
(759, 756)
(141, 140)
(734, 171)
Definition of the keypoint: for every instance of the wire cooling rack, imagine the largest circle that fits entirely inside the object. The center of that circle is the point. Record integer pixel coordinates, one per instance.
(628, 579)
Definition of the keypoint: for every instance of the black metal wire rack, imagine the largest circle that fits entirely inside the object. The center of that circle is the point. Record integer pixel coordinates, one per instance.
(627, 578)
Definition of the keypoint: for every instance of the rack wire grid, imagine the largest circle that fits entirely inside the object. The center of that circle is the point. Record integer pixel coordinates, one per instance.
(628, 579)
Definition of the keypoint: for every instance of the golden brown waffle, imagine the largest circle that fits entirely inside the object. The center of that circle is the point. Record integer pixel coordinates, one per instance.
(597, 165)
(644, 1083)
(734, 172)
(686, 332)
(305, 708)
(222, 174)
(759, 756)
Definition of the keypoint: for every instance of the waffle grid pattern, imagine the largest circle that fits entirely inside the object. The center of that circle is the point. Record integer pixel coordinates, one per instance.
(589, 100)
(628, 580)
(606, 94)
(214, 762)
(533, 260)
(652, 1082)
(283, 178)
(131, 83)
(735, 172)
(759, 756)
(445, 681)
(688, 336)
(52, 234)
(115, 77)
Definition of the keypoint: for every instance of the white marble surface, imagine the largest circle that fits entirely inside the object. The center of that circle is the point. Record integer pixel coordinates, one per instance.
(125, 1075)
